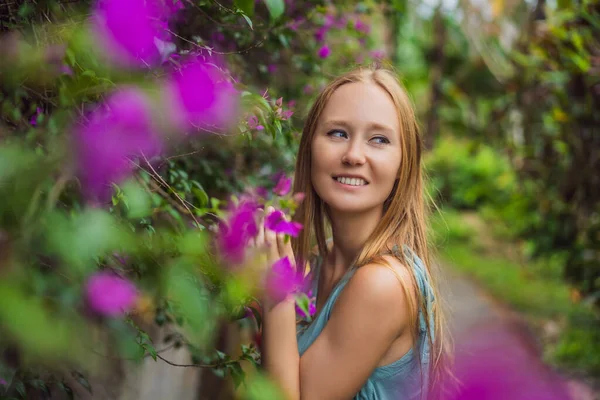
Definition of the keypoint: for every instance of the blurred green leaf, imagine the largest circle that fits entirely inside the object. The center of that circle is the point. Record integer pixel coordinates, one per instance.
(247, 6)
(260, 387)
(138, 200)
(276, 8)
(38, 331)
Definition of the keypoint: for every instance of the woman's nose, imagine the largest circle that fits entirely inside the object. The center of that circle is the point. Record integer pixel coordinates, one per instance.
(354, 155)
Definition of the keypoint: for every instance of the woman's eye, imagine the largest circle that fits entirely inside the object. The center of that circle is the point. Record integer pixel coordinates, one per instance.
(336, 133)
(381, 140)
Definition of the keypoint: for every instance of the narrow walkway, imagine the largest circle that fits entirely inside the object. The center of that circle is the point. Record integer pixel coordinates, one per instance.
(496, 356)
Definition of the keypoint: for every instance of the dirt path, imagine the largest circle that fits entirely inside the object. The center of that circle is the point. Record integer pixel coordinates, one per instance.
(496, 355)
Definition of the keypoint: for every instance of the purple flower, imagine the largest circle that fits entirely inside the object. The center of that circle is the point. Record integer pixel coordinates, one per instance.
(312, 309)
(120, 129)
(127, 29)
(234, 233)
(202, 96)
(321, 33)
(378, 54)
(2, 382)
(282, 279)
(110, 295)
(324, 51)
(307, 89)
(34, 117)
(329, 20)
(285, 115)
(362, 27)
(66, 70)
(283, 186)
(253, 123)
(277, 223)
(271, 68)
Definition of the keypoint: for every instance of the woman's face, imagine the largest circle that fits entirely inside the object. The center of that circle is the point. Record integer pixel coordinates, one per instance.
(356, 148)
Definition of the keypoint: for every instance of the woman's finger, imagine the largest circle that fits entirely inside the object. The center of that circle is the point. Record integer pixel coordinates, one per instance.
(271, 241)
(281, 244)
(260, 237)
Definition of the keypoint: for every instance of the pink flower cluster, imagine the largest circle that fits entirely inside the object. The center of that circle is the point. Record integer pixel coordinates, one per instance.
(109, 295)
(282, 280)
(280, 112)
(111, 137)
(128, 31)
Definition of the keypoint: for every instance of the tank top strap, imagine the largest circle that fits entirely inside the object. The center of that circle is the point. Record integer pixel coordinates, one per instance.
(409, 257)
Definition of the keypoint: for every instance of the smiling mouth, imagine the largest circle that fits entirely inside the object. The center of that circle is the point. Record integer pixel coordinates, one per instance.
(351, 181)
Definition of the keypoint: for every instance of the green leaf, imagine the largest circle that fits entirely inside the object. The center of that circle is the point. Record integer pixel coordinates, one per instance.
(237, 373)
(248, 20)
(137, 200)
(261, 387)
(257, 316)
(41, 385)
(40, 332)
(276, 8)
(82, 381)
(247, 6)
(67, 389)
(20, 388)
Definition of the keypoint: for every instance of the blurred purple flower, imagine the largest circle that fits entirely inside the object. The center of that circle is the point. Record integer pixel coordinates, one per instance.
(324, 51)
(2, 382)
(295, 23)
(341, 22)
(362, 27)
(283, 186)
(119, 129)
(307, 89)
(174, 5)
(202, 96)
(127, 29)
(34, 117)
(277, 223)
(282, 279)
(329, 20)
(234, 233)
(271, 68)
(287, 114)
(321, 33)
(66, 70)
(312, 310)
(110, 295)
(253, 123)
(378, 54)
(262, 192)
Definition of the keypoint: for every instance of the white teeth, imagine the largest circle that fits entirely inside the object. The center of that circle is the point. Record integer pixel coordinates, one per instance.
(351, 181)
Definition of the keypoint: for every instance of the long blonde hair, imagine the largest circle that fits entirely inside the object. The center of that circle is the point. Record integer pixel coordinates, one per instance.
(404, 218)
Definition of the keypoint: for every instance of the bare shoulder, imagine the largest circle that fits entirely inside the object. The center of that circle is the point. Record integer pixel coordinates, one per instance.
(375, 286)
(380, 276)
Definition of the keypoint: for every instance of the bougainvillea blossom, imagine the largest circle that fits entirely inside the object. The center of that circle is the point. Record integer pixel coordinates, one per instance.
(114, 133)
(282, 280)
(324, 52)
(201, 96)
(127, 30)
(234, 233)
(276, 222)
(283, 186)
(253, 123)
(110, 295)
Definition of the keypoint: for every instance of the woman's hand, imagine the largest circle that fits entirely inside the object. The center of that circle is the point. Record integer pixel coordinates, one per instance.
(272, 245)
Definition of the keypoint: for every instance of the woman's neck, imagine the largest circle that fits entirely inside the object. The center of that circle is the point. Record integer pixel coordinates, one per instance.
(350, 233)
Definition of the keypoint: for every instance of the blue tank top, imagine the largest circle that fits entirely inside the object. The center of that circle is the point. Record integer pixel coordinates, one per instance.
(405, 378)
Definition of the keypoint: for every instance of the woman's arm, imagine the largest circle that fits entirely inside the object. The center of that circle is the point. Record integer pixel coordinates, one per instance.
(369, 314)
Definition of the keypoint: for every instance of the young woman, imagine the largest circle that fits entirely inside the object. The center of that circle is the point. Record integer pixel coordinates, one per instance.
(378, 332)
